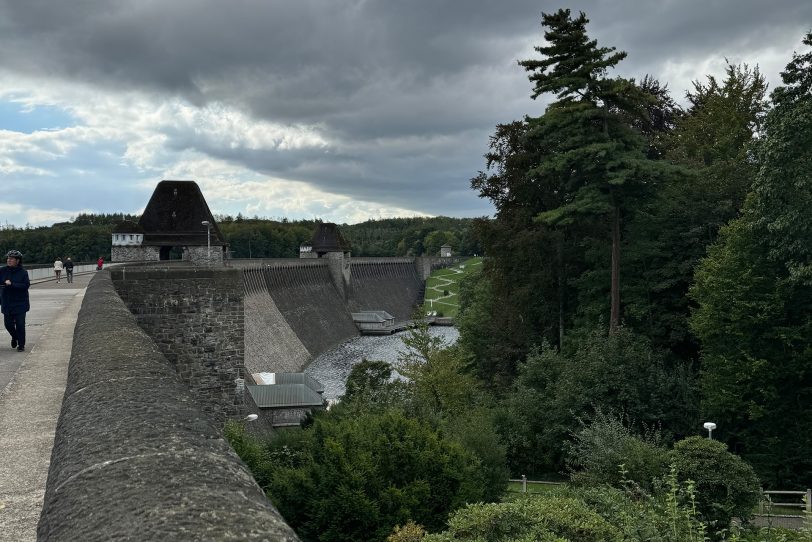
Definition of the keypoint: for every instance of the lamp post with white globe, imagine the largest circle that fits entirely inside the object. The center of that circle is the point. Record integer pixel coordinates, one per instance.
(710, 426)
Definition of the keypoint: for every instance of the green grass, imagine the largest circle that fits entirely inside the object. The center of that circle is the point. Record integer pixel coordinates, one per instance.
(535, 489)
(448, 280)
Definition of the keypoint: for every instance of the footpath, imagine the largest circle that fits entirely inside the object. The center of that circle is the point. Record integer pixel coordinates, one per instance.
(32, 384)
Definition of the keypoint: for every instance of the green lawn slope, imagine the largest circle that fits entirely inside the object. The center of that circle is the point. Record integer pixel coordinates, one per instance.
(443, 287)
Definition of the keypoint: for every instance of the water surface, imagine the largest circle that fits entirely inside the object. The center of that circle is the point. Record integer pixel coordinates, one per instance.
(333, 367)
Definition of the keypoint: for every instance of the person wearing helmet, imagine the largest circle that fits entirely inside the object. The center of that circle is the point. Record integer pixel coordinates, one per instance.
(14, 298)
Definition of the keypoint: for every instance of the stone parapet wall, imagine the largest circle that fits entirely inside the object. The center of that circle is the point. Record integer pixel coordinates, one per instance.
(134, 254)
(134, 458)
(195, 316)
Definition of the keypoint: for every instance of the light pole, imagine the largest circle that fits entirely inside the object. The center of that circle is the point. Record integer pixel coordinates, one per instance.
(208, 240)
(710, 426)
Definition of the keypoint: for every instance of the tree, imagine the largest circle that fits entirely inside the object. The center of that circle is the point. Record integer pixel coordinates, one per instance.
(726, 486)
(754, 292)
(366, 473)
(592, 151)
(440, 382)
(618, 371)
(713, 141)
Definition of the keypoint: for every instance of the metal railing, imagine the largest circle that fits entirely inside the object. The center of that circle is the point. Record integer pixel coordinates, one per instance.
(806, 505)
(44, 273)
(524, 481)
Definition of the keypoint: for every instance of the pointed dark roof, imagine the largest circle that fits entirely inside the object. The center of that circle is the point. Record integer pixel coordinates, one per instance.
(175, 213)
(328, 239)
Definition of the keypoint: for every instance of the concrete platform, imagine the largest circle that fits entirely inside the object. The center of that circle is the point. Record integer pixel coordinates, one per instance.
(32, 384)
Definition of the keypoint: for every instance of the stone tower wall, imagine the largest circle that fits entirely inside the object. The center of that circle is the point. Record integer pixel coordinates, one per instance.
(195, 317)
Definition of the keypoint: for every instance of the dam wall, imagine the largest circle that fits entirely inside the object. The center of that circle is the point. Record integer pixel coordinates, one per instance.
(134, 456)
(295, 310)
(306, 298)
(271, 344)
(389, 284)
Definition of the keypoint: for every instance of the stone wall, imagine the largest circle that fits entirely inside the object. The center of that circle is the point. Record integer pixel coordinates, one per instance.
(196, 318)
(203, 255)
(134, 458)
(134, 254)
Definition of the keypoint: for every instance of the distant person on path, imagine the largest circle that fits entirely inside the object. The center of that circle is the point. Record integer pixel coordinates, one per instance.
(68, 269)
(100, 263)
(58, 269)
(14, 298)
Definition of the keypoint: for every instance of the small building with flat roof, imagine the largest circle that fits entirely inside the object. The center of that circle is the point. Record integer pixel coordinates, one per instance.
(284, 399)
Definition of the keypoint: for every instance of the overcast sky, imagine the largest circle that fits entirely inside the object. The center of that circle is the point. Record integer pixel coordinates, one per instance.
(342, 110)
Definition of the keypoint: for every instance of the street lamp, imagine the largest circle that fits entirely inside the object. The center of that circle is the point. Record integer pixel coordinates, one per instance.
(710, 426)
(208, 240)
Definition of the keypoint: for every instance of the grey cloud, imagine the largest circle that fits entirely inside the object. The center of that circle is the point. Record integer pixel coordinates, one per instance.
(373, 73)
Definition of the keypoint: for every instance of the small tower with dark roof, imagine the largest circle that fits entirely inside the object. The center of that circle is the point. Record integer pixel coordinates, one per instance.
(173, 227)
(328, 243)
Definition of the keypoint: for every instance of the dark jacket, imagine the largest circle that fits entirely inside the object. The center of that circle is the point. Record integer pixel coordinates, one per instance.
(14, 297)
(69, 265)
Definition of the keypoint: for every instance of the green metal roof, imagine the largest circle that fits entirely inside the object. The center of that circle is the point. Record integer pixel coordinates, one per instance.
(300, 378)
(284, 395)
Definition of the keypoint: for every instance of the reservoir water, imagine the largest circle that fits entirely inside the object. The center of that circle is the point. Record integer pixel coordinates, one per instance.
(333, 367)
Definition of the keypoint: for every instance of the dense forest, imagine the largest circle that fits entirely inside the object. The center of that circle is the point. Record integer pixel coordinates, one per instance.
(649, 268)
(87, 237)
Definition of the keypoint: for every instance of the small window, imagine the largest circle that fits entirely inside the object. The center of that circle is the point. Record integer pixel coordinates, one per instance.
(131, 237)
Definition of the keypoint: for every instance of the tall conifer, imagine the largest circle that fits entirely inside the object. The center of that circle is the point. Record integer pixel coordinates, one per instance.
(592, 151)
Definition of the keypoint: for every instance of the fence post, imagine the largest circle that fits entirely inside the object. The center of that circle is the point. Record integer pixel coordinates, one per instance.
(808, 501)
(524, 483)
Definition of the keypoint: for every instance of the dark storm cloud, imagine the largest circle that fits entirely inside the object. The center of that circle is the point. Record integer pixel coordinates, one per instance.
(374, 74)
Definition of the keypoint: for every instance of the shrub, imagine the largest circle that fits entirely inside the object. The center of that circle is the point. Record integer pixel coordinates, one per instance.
(543, 519)
(361, 475)
(605, 443)
(411, 532)
(726, 486)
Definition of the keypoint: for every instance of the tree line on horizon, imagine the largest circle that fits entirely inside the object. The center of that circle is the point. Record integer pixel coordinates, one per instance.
(88, 236)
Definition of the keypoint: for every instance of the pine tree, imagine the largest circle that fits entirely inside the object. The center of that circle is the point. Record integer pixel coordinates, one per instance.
(591, 150)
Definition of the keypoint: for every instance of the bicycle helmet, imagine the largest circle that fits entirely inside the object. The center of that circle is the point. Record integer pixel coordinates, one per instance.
(14, 254)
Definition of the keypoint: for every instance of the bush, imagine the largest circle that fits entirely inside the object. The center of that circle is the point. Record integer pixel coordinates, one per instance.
(726, 486)
(411, 532)
(601, 446)
(356, 477)
(543, 519)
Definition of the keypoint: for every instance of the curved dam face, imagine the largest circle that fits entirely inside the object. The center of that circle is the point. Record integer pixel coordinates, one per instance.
(393, 286)
(295, 310)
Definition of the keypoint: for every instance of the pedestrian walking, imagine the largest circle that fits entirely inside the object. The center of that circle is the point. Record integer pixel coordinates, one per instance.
(69, 270)
(14, 298)
(99, 263)
(58, 266)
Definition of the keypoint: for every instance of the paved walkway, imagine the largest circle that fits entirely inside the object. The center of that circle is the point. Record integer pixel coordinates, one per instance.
(31, 388)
